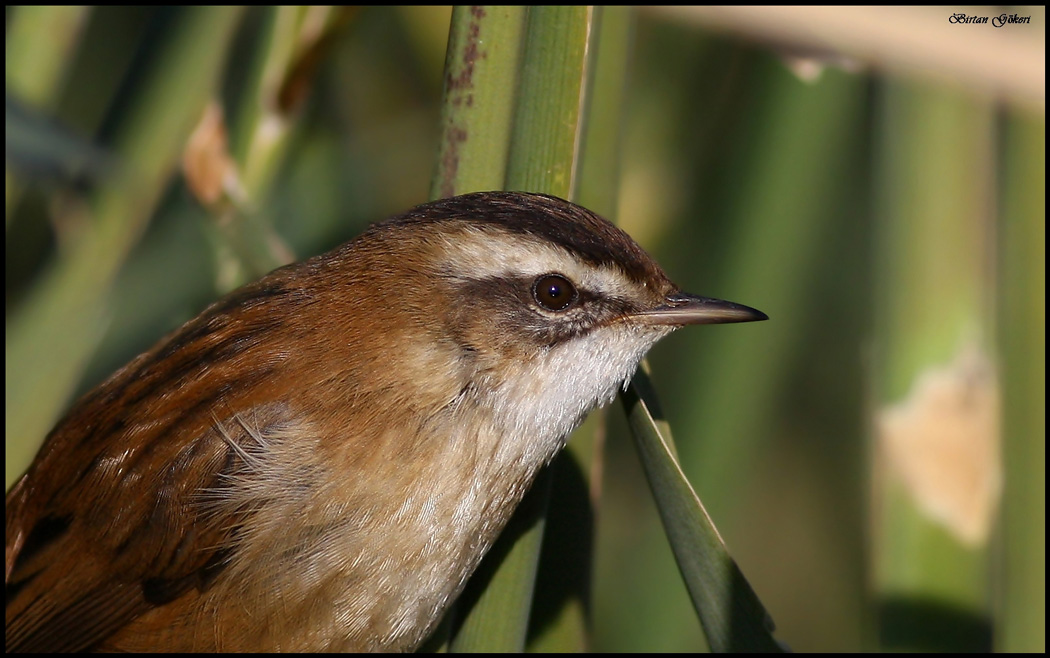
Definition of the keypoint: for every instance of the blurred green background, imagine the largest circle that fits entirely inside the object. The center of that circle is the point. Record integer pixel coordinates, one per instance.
(886, 218)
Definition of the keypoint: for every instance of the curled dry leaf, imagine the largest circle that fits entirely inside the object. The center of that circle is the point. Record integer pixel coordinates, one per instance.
(206, 163)
(942, 441)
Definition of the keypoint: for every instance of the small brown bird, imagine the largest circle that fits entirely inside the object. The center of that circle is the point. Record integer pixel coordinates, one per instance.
(319, 460)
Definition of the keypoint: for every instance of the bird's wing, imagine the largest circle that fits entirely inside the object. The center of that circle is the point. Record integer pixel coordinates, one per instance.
(118, 514)
(112, 519)
(83, 561)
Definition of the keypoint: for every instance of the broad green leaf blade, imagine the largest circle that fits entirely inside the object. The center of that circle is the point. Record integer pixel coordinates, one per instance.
(551, 97)
(1021, 623)
(562, 601)
(936, 469)
(499, 600)
(732, 616)
(542, 157)
(482, 71)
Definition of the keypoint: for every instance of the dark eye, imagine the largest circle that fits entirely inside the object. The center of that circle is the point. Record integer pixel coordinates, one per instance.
(553, 292)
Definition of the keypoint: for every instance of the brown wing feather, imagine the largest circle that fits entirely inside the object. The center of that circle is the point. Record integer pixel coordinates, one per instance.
(108, 523)
(83, 567)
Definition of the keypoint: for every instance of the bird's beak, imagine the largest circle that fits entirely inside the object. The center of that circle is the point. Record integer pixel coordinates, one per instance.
(682, 308)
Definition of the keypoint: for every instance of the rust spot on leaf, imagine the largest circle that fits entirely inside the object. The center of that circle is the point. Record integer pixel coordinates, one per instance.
(459, 85)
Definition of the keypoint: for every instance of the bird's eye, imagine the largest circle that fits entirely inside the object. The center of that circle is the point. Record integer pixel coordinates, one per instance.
(553, 292)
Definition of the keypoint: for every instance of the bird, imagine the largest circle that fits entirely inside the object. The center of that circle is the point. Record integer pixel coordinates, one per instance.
(319, 460)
